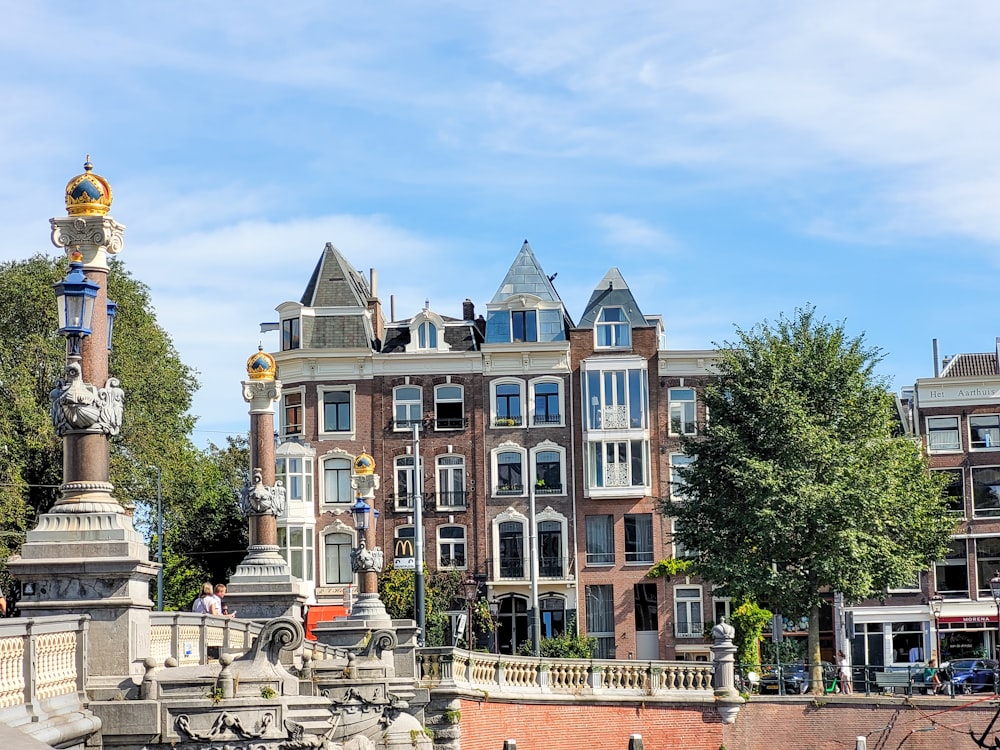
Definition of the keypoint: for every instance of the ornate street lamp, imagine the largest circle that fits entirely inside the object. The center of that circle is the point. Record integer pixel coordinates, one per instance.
(75, 296)
(495, 617)
(361, 512)
(112, 311)
(470, 589)
(936, 603)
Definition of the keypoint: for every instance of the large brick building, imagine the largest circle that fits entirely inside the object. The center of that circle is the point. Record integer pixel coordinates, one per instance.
(516, 431)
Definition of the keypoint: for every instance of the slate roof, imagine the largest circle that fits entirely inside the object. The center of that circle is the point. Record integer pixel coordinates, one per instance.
(334, 283)
(978, 365)
(612, 291)
(526, 276)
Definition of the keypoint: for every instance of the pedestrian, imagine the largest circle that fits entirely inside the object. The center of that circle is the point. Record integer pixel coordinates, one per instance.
(843, 673)
(220, 593)
(207, 603)
(932, 681)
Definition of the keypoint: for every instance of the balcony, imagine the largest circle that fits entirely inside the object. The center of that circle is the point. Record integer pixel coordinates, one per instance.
(512, 567)
(689, 630)
(551, 567)
(400, 425)
(547, 419)
(507, 421)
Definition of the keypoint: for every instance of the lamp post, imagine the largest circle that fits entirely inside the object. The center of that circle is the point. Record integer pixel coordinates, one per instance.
(470, 588)
(159, 536)
(75, 297)
(995, 591)
(362, 513)
(936, 604)
(495, 618)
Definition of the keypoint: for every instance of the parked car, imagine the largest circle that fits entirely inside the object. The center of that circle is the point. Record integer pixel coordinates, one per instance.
(971, 675)
(795, 678)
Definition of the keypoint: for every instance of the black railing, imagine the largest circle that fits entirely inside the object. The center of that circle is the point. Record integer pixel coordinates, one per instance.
(402, 502)
(548, 489)
(511, 568)
(405, 424)
(453, 423)
(509, 489)
(551, 567)
(547, 419)
(452, 499)
(868, 679)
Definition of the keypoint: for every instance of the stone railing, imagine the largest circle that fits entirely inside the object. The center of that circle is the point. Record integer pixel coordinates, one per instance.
(500, 674)
(43, 674)
(192, 638)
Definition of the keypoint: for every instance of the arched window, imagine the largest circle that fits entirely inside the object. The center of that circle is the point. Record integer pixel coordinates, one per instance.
(427, 335)
(337, 481)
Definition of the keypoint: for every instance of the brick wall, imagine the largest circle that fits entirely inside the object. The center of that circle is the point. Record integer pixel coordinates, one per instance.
(762, 724)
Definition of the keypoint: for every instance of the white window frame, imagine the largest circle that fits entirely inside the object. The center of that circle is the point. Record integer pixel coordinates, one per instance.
(934, 426)
(676, 461)
(293, 466)
(989, 439)
(420, 328)
(406, 425)
(616, 414)
(446, 466)
(442, 542)
(338, 529)
(550, 515)
(321, 430)
(287, 429)
(954, 562)
(405, 464)
(514, 491)
(548, 447)
(508, 420)
(336, 455)
(510, 516)
(604, 476)
(301, 558)
(677, 408)
(449, 424)
(560, 418)
(614, 329)
(689, 611)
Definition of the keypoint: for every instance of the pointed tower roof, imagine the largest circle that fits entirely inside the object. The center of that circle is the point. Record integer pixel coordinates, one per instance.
(334, 283)
(612, 291)
(526, 277)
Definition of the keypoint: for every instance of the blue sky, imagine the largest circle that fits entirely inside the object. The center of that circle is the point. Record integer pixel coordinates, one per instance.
(734, 160)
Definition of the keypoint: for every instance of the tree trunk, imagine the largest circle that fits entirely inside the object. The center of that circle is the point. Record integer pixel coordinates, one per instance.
(812, 653)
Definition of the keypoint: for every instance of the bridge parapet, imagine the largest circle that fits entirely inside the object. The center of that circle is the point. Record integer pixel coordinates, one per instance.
(498, 674)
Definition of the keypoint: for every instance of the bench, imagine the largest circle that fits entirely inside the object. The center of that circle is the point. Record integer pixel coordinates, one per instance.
(888, 682)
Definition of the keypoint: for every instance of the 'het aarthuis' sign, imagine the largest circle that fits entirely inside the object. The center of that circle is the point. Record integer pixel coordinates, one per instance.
(965, 393)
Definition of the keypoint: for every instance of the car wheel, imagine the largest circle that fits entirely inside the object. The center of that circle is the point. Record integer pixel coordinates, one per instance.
(967, 688)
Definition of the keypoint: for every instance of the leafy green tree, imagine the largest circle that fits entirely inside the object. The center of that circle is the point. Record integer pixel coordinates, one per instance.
(155, 431)
(441, 593)
(799, 486)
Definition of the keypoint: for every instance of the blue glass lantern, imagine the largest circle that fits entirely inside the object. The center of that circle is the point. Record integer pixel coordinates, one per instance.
(75, 296)
(360, 510)
(112, 311)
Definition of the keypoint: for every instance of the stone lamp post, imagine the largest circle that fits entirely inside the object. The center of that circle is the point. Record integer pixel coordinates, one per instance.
(367, 559)
(84, 556)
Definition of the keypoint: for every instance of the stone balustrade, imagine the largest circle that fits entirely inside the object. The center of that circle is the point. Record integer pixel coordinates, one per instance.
(43, 674)
(502, 674)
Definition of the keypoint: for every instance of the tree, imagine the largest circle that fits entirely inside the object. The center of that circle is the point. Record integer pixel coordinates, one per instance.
(155, 431)
(799, 486)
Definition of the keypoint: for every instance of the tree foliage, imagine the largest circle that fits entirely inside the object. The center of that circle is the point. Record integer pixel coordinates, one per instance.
(155, 431)
(799, 486)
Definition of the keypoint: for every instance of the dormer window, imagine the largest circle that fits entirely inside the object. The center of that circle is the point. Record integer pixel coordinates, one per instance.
(427, 336)
(523, 325)
(612, 329)
(290, 334)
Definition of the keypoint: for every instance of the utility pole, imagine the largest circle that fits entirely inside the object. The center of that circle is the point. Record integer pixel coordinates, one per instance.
(418, 537)
(159, 536)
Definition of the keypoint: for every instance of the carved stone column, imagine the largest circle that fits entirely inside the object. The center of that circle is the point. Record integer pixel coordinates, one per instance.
(728, 700)
(84, 556)
(263, 586)
(367, 560)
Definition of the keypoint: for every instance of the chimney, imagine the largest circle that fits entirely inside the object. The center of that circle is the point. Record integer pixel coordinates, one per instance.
(936, 353)
(998, 355)
(469, 314)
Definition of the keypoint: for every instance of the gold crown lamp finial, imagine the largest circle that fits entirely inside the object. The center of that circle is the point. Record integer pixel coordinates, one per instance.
(88, 194)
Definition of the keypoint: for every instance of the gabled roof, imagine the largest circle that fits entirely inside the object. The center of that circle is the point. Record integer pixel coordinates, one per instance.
(977, 365)
(334, 283)
(612, 291)
(526, 277)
